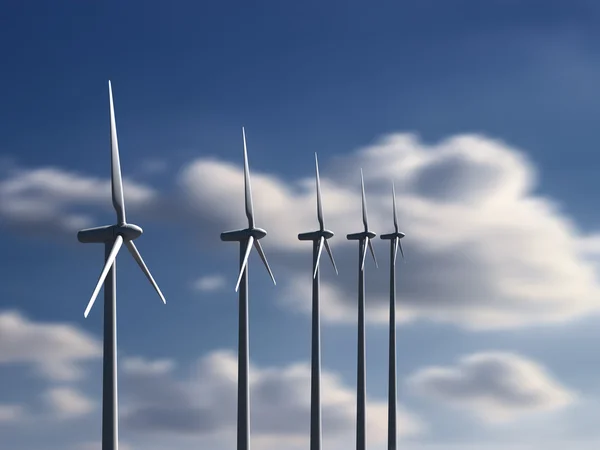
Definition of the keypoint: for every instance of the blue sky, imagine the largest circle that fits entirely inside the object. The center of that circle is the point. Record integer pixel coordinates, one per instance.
(482, 112)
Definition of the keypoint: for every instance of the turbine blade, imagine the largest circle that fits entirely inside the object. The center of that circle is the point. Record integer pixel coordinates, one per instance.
(247, 187)
(138, 258)
(364, 255)
(321, 240)
(107, 265)
(116, 181)
(373, 252)
(260, 251)
(319, 200)
(396, 242)
(364, 201)
(394, 203)
(401, 251)
(328, 248)
(245, 262)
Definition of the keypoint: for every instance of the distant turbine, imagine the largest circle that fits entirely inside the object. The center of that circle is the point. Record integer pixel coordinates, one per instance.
(320, 240)
(365, 240)
(113, 237)
(395, 243)
(246, 237)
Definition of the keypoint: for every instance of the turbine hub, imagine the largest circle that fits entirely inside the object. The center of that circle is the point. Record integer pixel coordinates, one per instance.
(129, 231)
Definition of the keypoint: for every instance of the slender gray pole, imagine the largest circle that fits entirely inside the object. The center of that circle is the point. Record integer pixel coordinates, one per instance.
(361, 431)
(315, 379)
(392, 382)
(243, 425)
(110, 424)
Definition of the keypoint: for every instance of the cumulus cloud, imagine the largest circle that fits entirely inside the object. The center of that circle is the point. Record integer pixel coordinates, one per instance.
(484, 250)
(11, 413)
(48, 200)
(496, 386)
(55, 350)
(68, 403)
(280, 401)
(209, 283)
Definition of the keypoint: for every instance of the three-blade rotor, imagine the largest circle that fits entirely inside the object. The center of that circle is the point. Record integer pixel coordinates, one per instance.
(323, 242)
(252, 234)
(368, 242)
(122, 233)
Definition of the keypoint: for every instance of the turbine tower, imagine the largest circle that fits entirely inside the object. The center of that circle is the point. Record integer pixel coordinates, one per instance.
(247, 238)
(364, 239)
(113, 237)
(320, 240)
(395, 243)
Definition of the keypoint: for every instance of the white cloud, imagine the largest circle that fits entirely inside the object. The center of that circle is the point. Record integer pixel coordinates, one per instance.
(48, 200)
(10, 413)
(483, 249)
(68, 403)
(55, 350)
(280, 402)
(209, 283)
(496, 386)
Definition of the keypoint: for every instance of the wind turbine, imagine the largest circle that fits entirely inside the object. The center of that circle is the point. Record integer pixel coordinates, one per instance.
(395, 243)
(364, 239)
(247, 238)
(320, 240)
(113, 237)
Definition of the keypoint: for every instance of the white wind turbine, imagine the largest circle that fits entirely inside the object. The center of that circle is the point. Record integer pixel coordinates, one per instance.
(113, 237)
(247, 238)
(320, 240)
(365, 240)
(395, 243)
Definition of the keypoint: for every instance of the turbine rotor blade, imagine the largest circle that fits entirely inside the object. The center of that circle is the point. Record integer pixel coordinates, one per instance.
(260, 251)
(321, 241)
(247, 186)
(401, 251)
(373, 252)
(364, 201)
(319, 200)
(364, 255)
(107, 265)
(396, 242)
(138, 258)
(394, 203)
(245, 262)
(116, 181)
(328, 248)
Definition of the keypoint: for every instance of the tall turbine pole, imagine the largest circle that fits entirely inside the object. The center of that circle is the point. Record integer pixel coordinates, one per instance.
(247, 238)
(395, 243)
(364, 239)
(319, 239)
(113, 237)
(110, 413)
(243, 412)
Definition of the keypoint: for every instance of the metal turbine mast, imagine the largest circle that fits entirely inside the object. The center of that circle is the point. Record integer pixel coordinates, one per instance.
(395, 243)
(364, 239)
(113, 237)
(247, 238)
(320, 240)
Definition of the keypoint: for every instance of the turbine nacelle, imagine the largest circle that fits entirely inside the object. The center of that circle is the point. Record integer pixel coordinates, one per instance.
(100, 235)
(390, 236)
(360, 236)
(315, 235)
(243, 235)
